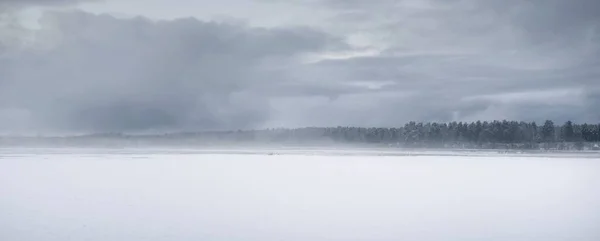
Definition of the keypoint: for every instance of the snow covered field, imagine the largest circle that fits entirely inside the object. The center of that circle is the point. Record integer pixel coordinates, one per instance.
(303, 195)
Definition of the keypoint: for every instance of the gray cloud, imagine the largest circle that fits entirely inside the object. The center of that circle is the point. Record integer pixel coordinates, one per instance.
(445, 52)
(429, 60)
(8, 6)
(42, 2)
(101, 73)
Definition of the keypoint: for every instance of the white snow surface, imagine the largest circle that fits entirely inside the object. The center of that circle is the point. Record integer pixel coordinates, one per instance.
(297, 195)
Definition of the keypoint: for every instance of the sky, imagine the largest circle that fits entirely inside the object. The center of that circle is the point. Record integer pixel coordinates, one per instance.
(175, 65)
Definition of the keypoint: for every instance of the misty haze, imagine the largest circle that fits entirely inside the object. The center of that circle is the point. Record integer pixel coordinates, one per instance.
(300, 120)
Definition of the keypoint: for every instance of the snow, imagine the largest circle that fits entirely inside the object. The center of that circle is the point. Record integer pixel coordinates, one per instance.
(86, 194)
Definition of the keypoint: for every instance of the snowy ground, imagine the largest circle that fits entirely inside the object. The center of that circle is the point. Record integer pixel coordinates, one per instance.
(303, 195)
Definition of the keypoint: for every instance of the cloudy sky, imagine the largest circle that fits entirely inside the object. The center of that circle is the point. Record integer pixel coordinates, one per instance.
(138, 65)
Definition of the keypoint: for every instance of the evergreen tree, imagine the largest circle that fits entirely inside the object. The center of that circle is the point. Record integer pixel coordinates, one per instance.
(548, 131)
(567, 132)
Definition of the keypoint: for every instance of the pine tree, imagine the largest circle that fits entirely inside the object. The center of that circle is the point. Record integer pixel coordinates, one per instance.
(567, 132)
(548, 131)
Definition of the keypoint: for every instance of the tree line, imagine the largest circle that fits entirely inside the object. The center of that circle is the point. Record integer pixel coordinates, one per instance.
(479, 135)
(476, 135)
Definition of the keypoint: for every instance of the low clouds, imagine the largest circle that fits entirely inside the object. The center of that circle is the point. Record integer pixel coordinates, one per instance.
(373, 63)
(447, 51)
(100, 73)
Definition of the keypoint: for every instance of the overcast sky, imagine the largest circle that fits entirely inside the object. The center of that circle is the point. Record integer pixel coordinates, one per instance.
(137, 65)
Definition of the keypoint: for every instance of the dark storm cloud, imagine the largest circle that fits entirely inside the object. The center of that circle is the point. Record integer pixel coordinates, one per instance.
(101, 73)
(448, 51)
(434, 60)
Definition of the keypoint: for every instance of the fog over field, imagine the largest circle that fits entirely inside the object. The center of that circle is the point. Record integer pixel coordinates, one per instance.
(177, 195)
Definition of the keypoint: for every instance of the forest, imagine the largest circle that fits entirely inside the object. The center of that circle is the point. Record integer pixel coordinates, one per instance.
(463, 135)
(479, 134)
